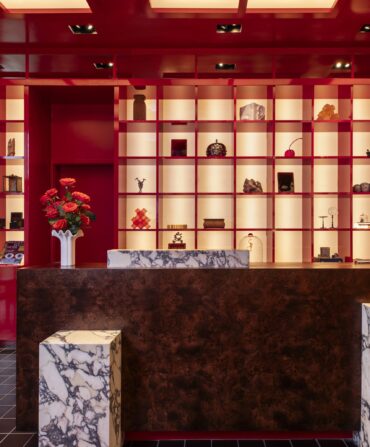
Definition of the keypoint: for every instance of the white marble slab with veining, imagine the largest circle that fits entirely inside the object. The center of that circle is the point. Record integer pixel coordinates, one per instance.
(178, 259)
(80, 389)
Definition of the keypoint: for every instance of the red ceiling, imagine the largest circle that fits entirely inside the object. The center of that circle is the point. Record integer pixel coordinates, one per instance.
(149, 44)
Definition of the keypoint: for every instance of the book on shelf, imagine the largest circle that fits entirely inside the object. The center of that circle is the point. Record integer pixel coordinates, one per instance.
(12, 253)
(362, 261)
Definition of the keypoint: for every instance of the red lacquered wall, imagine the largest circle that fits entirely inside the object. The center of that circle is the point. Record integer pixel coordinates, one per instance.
(7, 302)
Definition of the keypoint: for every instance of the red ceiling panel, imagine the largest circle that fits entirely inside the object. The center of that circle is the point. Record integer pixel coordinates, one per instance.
(150, 43)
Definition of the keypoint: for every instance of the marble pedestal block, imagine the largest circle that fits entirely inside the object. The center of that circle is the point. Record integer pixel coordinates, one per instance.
(80, 389)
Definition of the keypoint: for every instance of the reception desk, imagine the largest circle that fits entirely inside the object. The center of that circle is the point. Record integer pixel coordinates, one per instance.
(267, 348)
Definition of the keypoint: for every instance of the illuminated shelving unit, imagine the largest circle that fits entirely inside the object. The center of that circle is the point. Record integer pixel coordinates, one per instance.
(330, 157)
(11, 126)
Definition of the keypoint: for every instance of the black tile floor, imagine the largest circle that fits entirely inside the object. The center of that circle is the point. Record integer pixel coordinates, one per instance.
(9, 437)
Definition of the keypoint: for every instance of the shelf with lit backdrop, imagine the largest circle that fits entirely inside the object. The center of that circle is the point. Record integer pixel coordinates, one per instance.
(265, 161)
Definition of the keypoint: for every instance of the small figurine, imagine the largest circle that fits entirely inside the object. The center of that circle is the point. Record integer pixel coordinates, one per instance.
(368, 152)
(177, 242)
(11, 147)
(140, 184)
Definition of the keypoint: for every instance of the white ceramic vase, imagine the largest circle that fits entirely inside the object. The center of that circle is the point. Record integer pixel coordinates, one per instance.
(67, 246)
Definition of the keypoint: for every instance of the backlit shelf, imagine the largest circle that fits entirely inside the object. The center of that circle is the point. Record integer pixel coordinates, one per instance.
(8, 230)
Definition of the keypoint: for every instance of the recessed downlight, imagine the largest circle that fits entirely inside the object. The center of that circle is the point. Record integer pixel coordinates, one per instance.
(223, 66)
(83, 29)
(230, 28)
(342, 65)
(365, 28)
(103, 65)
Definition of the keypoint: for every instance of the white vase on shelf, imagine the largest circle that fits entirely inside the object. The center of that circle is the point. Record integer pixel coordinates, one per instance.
(67, 246)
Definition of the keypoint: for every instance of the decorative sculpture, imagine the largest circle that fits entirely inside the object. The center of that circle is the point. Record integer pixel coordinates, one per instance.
(140, 184)
(252, 111)
(141, 220)
(216, 150)
(289, 153)
(177, 242)
(11, 147)
(328, 113)
(251, 186)
(332, 211)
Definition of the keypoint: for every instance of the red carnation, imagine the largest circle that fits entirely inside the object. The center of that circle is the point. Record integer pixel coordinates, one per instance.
(51, 192)
(85, 219)
(70, 207)
(67, 181)
(81, 197)
(51, 212)
(60, 224)
(85, 206)
(44, 199)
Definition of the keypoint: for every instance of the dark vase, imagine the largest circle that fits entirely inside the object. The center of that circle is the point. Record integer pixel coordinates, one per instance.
(139, 108)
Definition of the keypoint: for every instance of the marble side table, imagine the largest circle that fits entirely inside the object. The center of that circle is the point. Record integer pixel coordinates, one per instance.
(80, 389)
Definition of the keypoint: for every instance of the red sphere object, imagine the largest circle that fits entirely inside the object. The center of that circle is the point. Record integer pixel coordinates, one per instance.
(289, 153)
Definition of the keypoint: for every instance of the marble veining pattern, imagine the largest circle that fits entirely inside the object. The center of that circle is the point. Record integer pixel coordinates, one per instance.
(365, 377)
(80, 389)
(203, 259)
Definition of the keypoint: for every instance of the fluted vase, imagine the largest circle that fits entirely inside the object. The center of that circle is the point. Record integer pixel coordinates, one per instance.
(67, 246)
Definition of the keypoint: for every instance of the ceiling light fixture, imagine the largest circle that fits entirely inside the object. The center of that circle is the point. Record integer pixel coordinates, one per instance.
(301, 5)
(83, 29)
(342, 65)
(195, 5)
(41, 6)
(365, 28)
(229, 28)
(103, 65)
(222, 66)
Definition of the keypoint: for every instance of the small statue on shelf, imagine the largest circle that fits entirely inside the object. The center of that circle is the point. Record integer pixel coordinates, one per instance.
(177, 242)
(11, 147)
(140, 184)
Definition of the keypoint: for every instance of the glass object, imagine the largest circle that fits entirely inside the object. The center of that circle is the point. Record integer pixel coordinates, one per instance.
(254, 245)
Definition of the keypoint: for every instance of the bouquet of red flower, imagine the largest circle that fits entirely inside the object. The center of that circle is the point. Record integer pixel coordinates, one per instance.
(70, 212)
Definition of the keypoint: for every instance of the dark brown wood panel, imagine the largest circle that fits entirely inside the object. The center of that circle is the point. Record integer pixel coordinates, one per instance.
(260, 349)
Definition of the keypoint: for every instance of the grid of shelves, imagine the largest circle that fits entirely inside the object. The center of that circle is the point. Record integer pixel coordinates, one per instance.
(330, 157)
(12, 128)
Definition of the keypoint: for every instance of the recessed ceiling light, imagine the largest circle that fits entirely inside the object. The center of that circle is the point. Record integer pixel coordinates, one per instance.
(222, 66)
(83, 29)
(291, 4)
(103, 65)
(37, 6)
(342, 65)
(229, 28)
(365, 29)
(195, 4)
